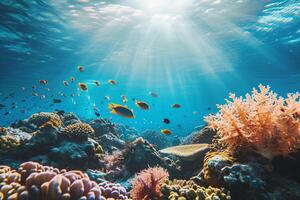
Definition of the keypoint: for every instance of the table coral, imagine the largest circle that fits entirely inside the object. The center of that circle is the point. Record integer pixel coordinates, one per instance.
(187, 152)
(146, 184)
(261, 122)
(78, 131)
(188, 190)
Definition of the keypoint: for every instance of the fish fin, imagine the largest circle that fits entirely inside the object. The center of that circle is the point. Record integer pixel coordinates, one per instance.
(111, 106)
(113, 111)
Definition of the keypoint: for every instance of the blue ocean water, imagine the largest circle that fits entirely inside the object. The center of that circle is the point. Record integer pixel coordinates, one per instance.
(191, 52)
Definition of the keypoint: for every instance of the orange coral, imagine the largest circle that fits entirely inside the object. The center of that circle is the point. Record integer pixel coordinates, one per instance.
(261, 122)
(146, 185)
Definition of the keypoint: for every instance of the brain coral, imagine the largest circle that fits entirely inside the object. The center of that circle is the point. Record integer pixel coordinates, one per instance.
(49, 183)
(42, 118)
(78, 131)
(260, 122)
(188, 190)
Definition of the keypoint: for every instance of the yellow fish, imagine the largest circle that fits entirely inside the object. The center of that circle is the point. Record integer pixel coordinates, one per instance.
(120, 110)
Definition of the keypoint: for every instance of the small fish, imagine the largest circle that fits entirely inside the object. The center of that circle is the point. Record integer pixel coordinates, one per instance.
(56, 100)
(33, 87)
(23, 100)
(47, 89)
(80, 68)
(43, 82)
(6, 113)
(97, 83)
(209, 108)
(176, 105)
(97, 114)
(107, 98)
(166, 131)
(124, 99)
(195, 113)
(72, 95)
(34, 94)
(13, 103)
(120, 110)
(65, 83)
(113, 82)
(142, 105)
(72, 79)
(43, 96)
(22, 88)
(82, 86)
(2, 105)
(153, 94)
(166, 121)
(13, 107)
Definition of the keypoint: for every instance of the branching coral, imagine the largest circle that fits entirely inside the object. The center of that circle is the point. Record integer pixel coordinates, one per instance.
(188, 190)
(146, 185)
(78, 131)
(261, 122)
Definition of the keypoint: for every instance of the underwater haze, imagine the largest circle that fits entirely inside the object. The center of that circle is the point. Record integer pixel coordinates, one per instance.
(188, 52)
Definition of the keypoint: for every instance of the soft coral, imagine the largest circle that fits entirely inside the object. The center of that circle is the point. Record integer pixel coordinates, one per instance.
(146, 185)
(261, 122)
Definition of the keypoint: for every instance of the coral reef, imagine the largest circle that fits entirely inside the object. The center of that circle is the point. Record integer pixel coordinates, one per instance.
(146, 185)
(140, 155)
(78, 131)
(40, 119)
(35, 181)
(203, 135)
(70, 118)
(188, 190)
(103, 126)
(261, 122)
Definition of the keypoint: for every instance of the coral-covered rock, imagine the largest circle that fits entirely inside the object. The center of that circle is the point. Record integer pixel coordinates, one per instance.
(204, 135)
(188, 190)
(241, 176)
(70, 118)
(141, 155)
(78, 131)
(126, 132)
(146, 185)
(214, 162)
(39, 119)
(11, 139)
(261, 122)
(110, 142)
(78, 155)
(103, 126)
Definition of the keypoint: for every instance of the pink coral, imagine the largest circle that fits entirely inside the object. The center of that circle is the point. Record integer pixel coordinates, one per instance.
(146, 185)
(261, 122)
